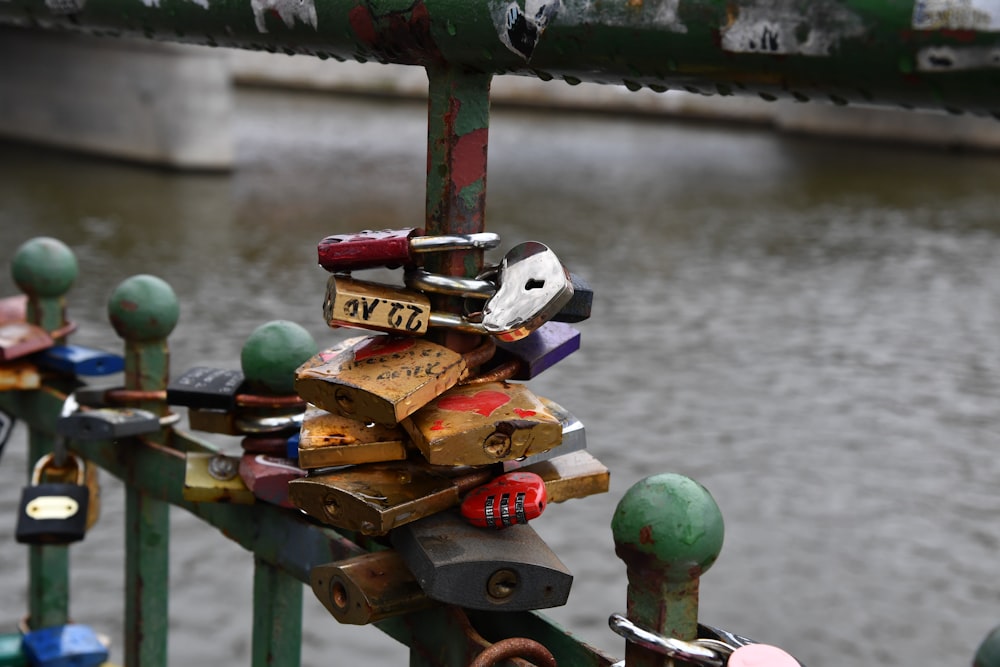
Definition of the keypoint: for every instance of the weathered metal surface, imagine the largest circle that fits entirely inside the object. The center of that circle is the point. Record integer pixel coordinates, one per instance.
(19, 339)
(19, 375)
(933, 53)
(669, 531)
(368, 588)
(327, 439)
(515, 647)
(277, 616)
(573, 475)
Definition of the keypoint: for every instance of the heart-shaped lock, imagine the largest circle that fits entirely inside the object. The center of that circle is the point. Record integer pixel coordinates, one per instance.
(517, 497)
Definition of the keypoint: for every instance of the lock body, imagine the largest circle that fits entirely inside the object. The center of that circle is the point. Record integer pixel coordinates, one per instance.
(79, 360)
(53, 512)
(379, 379)
(267, 477)
(206, 388)
(328, 439)
(392, 247)
(107, 424)
(72, 645)
(19, 339)
(495, 570)
(367, 305)
(539, 351)
(214, 478)
(19, 375)
(483, 424)
(516, 497)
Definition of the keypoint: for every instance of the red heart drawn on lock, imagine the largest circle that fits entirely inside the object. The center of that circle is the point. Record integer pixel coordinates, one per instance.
(484, 402)
(382, 346)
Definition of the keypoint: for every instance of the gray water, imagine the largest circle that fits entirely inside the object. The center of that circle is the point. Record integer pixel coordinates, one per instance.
(811, 329)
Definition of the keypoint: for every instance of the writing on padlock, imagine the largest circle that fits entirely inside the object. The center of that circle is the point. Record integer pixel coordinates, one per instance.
(382, 379)
(516, 497)
(497, 570)
(53, 512)
(71, 645)
(392, 247)
(483, 424)
(367, 305)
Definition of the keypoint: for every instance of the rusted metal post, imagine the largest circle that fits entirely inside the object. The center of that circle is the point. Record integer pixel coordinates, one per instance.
(143, 311)
(669, 531)
(44, 269)
(458, 119)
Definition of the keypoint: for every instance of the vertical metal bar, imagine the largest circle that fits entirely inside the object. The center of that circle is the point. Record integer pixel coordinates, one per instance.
(458, 118)
(45, 269)
(277, 617)
(143, 310)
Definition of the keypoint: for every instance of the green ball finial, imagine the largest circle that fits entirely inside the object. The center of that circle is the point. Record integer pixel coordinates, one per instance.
(272, 353)
(674, 520)
(988, 654)
(143, 308)
(44, 267)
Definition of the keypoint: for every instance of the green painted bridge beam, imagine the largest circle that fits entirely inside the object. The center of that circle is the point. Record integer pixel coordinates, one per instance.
(922, 53)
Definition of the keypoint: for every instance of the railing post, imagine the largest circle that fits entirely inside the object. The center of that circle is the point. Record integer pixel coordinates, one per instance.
(669, 531)
(44, 269)
(269, 358)
(143, 311)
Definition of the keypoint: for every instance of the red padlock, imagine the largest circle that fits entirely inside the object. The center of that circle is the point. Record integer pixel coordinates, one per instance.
(392, 247)
(517, 497)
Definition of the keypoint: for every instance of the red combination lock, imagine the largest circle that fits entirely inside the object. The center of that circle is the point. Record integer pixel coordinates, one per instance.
(517, 497)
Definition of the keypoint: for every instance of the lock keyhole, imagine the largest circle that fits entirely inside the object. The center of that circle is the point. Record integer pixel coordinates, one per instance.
(534, 283)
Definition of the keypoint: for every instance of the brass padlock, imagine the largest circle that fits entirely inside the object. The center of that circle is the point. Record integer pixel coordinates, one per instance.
(380, 379)
(482, 424)
(374, 498)
(396, 310)
(574, 475)
(328, 439)
(19, 375)
(368, 588)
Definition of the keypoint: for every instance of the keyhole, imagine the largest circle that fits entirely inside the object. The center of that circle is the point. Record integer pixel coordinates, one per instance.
(534, 283)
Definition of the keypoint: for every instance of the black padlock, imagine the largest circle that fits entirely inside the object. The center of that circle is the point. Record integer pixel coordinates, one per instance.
(52, 512)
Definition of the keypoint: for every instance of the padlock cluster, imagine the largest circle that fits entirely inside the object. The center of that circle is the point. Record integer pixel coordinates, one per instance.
(406, 437)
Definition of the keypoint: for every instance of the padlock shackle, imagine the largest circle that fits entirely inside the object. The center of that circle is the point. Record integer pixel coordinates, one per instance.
(49, 460)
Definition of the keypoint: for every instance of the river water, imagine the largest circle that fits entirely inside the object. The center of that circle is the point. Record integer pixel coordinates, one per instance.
(809, 328)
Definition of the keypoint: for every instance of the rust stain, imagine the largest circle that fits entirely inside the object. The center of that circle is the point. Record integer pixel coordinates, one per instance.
(646, 535)
(400, 35)
(130, 306)
(469, 158)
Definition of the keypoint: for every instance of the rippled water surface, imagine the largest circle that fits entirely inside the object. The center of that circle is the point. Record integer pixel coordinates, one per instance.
(810, 329)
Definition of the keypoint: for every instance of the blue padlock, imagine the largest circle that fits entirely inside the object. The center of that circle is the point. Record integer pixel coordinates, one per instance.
(78, 360)
(293, 447)
(72, 645)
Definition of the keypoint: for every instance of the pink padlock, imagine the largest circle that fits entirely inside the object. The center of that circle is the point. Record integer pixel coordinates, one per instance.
(761, 655)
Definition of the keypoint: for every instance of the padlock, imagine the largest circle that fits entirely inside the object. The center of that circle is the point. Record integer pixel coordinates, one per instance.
(392, 247)
(377, 307)
(79, 360)
(534, 287)
(12, 646)
(575, 475)
(206, 388)
(267, 477)
(328, 439)
(761, 655)
(268, 445)
(50, 512)
(19, 339)
(14, 308)
(107, 424)
(574, 438)
(380, 379)
(512, 498)
(368, 588)
(495, 570)
(483, 423)
(214, 478)
(484, 286)
(292, 445)
(72, 645)
(374, 498)
(19, 375)
(544, 348)
(245, 421)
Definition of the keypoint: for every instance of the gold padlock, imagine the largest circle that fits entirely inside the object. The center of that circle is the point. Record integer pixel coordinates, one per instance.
(327, 439)
(382, 379)
(574, 475)
(18, 375)
(213, 478)
(481, 424)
